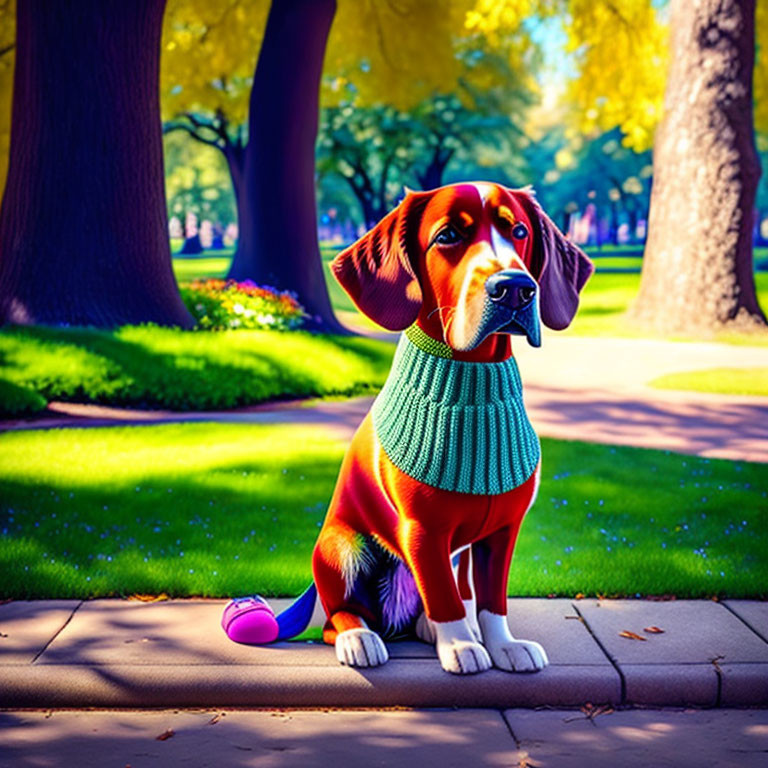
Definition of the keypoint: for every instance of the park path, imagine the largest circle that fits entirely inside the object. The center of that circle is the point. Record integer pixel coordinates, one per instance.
(575, 388)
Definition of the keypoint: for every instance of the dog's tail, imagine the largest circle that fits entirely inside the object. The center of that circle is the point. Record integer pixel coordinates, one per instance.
(296, 617)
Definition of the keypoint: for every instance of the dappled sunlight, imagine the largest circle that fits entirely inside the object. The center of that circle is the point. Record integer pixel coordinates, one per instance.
(237, 739)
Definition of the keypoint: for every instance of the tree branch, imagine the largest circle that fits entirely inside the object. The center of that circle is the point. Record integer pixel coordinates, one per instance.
(170, 127)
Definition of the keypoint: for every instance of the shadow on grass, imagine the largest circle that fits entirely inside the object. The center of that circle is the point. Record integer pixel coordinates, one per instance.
(223, 510)
(154, 367)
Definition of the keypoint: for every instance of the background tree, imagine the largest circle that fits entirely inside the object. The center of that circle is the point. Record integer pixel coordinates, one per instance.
(593, 171)
(83, 229)
(705, 167)
(209, 56)
(197, 181)
(698, 268)
(368, 148)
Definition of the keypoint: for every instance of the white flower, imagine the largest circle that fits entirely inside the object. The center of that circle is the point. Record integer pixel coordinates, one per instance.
(238, 309)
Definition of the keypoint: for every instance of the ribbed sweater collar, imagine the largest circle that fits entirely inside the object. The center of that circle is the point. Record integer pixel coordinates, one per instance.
(455, 425)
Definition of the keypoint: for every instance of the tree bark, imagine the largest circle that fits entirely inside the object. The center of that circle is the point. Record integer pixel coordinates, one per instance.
(278, 232)
(235, 156)
(697, 271)
(83, 223)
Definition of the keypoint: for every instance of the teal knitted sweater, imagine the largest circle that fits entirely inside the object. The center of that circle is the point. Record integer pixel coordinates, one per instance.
(455, 425)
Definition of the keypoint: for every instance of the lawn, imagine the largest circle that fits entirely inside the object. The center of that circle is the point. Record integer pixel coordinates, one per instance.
(221, 510)
(604, 300)
(732, 381)
(186, 370)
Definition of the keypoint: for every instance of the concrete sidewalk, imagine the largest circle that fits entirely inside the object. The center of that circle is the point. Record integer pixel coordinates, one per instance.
(130, 654)
(466, 738)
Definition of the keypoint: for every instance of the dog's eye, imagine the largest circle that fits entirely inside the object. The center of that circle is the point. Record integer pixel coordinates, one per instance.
(519, 231)
(448, 236)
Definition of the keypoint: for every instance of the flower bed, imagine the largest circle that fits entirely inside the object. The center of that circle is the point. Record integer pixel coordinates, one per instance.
(219, 305)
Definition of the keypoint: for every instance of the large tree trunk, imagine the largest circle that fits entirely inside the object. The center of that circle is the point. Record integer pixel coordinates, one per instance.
(235, 156)
(278, 235)
(697, 270)
(83, 224)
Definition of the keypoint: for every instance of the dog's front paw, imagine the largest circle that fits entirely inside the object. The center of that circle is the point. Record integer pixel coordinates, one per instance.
(361, 648)
(463, 657)
(519, 656)
(458, 650)
(507, 653)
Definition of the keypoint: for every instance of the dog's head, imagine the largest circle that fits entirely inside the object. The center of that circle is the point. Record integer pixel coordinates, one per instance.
(467, 260)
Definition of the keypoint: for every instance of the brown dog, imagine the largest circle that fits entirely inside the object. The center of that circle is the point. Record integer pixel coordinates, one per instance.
(446, 462)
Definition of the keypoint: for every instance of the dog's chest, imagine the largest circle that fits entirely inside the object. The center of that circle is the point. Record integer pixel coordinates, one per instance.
(455, 425)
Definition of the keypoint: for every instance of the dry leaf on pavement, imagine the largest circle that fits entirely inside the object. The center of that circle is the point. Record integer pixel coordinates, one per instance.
(631, 635)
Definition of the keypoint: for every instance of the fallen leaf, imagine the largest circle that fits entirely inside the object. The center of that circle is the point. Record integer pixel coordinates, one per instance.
(631, 635)
(654, 630)
(165, 735)
(579, 596)
(578, 618)
(215, 719)
(590, 712)
(149, 598)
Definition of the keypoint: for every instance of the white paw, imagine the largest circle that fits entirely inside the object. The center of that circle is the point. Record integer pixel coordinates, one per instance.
(463, 657)
(458, 650)
(519, 656)
(425, 629)
(360, 648)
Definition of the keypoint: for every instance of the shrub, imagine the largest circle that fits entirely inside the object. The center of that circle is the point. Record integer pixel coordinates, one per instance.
(16, 400)
(219, 305)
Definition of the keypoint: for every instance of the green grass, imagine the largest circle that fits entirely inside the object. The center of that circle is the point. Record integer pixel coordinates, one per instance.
(208, 266)
(731, 381)
(188, 370)
(606, 298)
(221, 510)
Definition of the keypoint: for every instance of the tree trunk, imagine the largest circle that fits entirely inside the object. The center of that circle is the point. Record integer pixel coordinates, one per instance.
(83, 224)
(432, 176)
(697, 270)
(235, 156)
(278, 233)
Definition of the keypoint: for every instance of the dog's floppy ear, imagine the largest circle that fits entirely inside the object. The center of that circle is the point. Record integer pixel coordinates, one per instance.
(377, 271)
(560, 267)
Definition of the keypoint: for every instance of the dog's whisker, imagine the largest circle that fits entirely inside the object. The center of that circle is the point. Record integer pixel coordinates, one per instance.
(439, 309)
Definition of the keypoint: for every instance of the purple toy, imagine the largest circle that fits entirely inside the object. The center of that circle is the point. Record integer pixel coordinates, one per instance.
(250, 620)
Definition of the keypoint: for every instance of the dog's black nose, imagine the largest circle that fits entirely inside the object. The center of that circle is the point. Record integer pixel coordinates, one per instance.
(511, 288)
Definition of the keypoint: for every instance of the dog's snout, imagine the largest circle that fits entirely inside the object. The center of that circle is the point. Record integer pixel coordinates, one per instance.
(512, 288)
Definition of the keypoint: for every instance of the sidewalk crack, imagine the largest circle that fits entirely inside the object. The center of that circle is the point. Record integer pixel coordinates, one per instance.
(57, 633)
(743, 621)
(610, 658)
(507, 722)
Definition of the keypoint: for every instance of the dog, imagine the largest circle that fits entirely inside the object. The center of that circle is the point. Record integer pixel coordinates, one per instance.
(420, 531)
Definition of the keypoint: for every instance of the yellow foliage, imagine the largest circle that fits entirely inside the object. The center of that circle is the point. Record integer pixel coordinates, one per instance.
(621, 51)
(7, 38)
(209, 52)
(397, 52)
(761, 67)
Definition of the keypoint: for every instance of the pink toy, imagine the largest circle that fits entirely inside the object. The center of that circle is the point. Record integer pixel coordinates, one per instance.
(249, 620)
